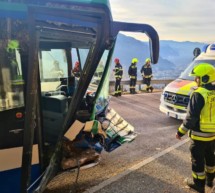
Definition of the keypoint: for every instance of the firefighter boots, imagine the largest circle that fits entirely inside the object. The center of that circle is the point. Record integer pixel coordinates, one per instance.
(209, 183)
(209, 179)
(198, 187)
(116, 95)
(151, 89)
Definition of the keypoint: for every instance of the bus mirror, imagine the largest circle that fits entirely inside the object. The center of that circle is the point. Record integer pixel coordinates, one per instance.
(143, 28)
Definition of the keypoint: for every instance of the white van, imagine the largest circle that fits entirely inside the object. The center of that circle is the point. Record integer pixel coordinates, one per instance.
(175, 96)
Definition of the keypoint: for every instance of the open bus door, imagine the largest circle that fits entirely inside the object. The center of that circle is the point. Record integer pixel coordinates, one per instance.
(68, 30)
(102, 85)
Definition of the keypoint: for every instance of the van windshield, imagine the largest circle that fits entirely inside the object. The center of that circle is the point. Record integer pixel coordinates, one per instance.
(185, 74)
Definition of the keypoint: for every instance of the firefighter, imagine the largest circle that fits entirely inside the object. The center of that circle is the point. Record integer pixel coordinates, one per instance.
(11, 53)
(146, 72)
(200, 124)
(132, 72)
(118, 71)
(76, 70)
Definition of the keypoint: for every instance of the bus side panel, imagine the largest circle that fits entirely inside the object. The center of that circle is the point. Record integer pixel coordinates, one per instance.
(11, 128)
(10, 168)
(10, 180)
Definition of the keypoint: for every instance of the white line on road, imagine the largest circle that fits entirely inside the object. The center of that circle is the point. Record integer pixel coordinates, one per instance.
(168, 127)
(135, 167)
(131, 95)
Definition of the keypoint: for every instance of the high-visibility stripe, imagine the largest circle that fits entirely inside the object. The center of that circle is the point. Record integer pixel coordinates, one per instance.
(182, 129)
(117, 91)
(195, 135)
(133, 77)
(199, 175)
(210, 169)
(200, 134)
(202, 138)
(147, 76)
(118, 69)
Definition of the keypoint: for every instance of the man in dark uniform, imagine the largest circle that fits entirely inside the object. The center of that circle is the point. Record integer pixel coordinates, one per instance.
(118, 76)
(132, 72)
(146, 72)
(200, 122)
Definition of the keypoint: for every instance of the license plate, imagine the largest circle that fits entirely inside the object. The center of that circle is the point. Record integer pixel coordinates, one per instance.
(170, 114)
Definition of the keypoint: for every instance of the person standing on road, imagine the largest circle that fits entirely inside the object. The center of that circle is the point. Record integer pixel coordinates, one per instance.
(200, 123)
(132, 72)
(118, 72)
(146, 72)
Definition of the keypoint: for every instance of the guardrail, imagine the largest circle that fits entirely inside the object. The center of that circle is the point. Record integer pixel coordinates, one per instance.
(139, 85)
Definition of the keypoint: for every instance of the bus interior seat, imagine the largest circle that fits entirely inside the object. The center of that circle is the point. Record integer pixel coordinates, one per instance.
(54, 109)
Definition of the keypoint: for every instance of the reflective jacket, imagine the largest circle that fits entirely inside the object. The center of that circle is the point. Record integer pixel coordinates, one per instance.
(118, 71)
(146, 71)
(200, 119)
(207, 116)
(132, 71)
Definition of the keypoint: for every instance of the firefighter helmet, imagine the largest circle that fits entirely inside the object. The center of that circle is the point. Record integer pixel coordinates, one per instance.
(116, 60)
(148, 60)
(12, 44)
(205, 71)
(134, 60)
(77, 63)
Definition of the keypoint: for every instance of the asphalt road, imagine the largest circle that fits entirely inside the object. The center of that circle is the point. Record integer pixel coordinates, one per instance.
(154, 162)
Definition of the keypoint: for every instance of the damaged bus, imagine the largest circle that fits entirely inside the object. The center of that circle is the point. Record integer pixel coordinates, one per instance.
(41, 98)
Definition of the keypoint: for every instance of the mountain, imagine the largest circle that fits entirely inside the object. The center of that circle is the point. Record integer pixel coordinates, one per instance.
(174, 56)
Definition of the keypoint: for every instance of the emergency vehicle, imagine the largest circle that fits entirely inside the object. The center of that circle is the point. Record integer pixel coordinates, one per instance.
(175, 96)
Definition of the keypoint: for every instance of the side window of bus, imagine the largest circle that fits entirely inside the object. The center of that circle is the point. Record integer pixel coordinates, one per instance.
(53, 67)
(98, 73)
(11, 80)
(78, 62)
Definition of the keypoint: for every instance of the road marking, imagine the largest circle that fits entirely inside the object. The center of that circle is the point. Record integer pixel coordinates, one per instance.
(139, 94)
(135, 167)
(168, 127)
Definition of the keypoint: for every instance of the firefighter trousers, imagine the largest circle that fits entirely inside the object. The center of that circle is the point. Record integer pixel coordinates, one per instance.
(147, 81)
(132, 85)
(118, 90)
(202, 157)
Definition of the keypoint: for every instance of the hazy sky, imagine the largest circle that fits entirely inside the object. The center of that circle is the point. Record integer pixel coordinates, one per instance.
(180, 20)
